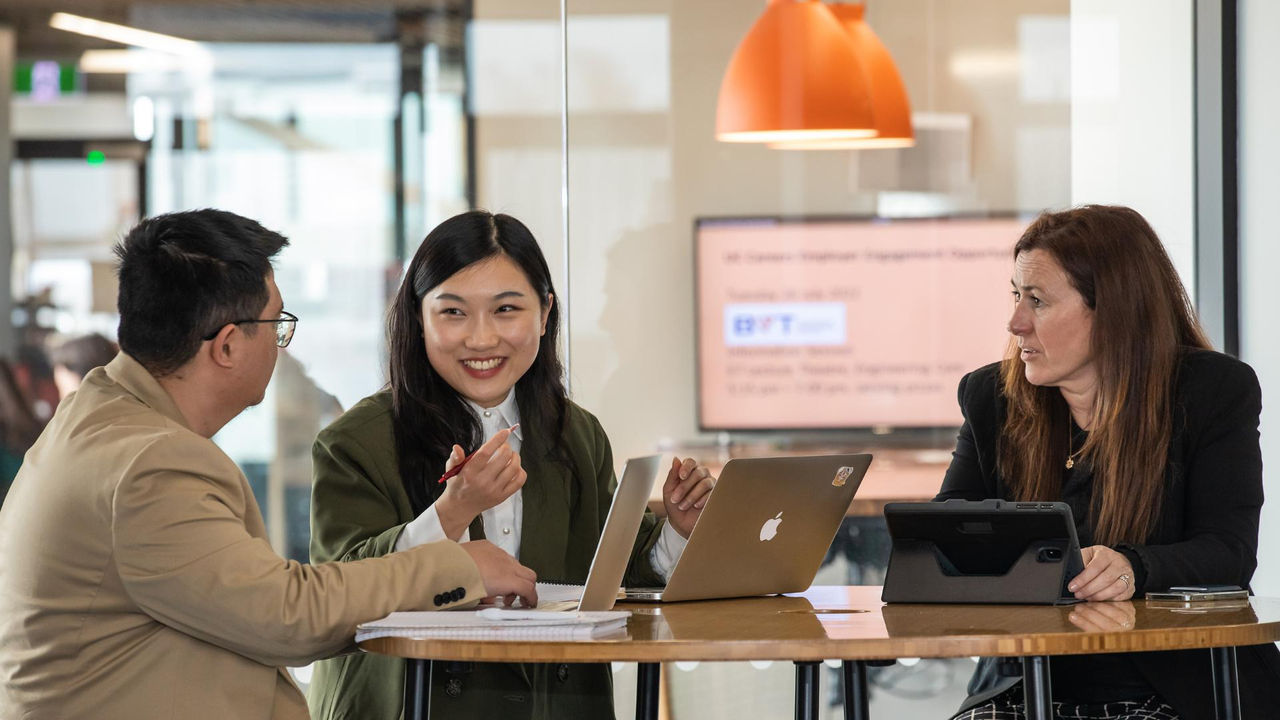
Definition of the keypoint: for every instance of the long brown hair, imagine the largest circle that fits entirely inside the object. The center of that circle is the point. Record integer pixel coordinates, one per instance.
(1142, 320)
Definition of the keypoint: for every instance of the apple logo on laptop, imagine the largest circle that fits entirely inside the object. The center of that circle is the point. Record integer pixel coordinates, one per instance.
(770, 528)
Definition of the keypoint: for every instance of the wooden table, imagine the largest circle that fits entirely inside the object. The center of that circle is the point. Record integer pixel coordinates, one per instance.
(851, 624)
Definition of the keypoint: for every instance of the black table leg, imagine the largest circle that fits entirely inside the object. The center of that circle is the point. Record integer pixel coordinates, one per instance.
(1036, 690)
(417, 689)
(807, 690)
(857, 705)
(648, 679)
(1226, 685)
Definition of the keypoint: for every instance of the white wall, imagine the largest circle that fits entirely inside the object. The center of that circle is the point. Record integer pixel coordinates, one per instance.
(96, 115)
(1132, 143)
(1259, 56)
(1132, 113)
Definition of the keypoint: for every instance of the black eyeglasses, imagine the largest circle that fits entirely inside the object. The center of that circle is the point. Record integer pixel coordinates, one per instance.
(285, 325)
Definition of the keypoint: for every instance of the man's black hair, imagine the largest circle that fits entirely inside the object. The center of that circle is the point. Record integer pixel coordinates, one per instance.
(184, 275)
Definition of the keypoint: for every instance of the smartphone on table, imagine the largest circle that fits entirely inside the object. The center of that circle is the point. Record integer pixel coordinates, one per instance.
(1201, 593)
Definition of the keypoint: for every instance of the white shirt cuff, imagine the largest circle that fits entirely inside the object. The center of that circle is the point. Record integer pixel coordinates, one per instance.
(667, 550)
(425, 528)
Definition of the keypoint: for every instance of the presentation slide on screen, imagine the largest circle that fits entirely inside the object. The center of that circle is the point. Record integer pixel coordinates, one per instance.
(848, 323)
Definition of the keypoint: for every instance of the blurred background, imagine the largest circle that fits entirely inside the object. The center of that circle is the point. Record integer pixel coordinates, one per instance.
(354, 126)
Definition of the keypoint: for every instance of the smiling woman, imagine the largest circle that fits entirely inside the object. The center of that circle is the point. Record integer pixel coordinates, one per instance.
(482, 326)
(473, 368)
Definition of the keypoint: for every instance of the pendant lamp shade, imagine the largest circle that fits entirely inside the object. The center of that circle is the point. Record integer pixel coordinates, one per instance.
(888, 95)
(794, 77)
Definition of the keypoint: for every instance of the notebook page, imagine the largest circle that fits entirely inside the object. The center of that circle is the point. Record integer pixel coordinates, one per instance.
(487, 625)
(549, 593)
(505, 631)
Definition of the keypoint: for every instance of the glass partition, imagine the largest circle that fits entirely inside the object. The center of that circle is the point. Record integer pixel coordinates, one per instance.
(1017, 107)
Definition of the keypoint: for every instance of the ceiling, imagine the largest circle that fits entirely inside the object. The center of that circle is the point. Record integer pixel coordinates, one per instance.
(222, 21)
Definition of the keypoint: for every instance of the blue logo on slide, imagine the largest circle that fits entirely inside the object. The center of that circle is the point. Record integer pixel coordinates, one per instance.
(784, 324)
(750, 325)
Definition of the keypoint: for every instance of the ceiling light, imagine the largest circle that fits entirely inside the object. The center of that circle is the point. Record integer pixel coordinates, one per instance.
(126, 35)
(794, 76)
(889, 101)
(130, 61)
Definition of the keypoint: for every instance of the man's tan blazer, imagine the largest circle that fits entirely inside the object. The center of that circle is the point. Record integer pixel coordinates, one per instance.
(136, 580)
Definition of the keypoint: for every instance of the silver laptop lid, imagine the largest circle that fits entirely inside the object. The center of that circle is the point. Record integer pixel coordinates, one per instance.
(767, 526)
(619, 535)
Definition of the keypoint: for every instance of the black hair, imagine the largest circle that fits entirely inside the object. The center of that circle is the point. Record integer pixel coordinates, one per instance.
(429, 416)
(186, 274)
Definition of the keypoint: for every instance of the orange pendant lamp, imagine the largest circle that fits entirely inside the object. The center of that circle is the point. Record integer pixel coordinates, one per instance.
(888, 95)
(794, 77)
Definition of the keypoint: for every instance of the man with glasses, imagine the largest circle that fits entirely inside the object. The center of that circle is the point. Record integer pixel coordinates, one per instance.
(284, 327)
(136, 580)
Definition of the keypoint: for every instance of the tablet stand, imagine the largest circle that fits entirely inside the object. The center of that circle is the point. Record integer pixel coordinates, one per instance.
(921, 571)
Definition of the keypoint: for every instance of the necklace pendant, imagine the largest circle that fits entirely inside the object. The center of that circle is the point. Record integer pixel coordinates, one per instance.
(1071, 462)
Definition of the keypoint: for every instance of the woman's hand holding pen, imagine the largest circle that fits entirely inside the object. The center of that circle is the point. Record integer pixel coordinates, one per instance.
(488, 476)
(686, 490)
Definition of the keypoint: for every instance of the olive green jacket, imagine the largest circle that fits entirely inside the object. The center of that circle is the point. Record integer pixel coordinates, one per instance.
(358, 509)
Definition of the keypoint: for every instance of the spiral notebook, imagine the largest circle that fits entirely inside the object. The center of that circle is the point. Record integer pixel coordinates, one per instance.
(495, 624)
(555, 597)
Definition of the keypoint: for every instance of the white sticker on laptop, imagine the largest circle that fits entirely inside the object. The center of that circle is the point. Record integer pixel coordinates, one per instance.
(842, 476)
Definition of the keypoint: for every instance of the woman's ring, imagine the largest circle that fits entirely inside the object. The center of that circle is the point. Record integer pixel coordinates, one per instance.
(1124, 577)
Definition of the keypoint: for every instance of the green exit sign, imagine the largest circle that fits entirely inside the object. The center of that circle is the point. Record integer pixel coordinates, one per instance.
(46, 79)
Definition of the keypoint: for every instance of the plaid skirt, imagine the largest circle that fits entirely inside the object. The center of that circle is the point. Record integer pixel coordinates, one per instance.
(1010, 706)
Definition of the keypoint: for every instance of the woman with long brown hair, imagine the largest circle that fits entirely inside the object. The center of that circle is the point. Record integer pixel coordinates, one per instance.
(1111, 400)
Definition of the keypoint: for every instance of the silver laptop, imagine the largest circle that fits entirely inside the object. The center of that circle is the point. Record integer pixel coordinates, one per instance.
(609, 564)
(765, 528)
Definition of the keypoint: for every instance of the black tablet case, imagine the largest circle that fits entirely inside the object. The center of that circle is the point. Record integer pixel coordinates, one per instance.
(989, 551)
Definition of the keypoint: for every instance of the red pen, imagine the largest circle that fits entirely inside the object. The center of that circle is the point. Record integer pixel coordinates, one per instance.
(458, 468)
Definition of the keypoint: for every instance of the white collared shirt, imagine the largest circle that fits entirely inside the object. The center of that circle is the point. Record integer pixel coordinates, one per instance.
(503, 522)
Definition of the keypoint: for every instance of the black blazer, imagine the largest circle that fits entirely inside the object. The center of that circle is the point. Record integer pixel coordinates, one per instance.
(1207, 531)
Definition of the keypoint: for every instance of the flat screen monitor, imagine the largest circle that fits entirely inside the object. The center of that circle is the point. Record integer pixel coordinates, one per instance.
(847, 323)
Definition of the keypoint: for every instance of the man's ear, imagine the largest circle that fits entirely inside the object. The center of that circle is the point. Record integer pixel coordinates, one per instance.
(221, 348)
